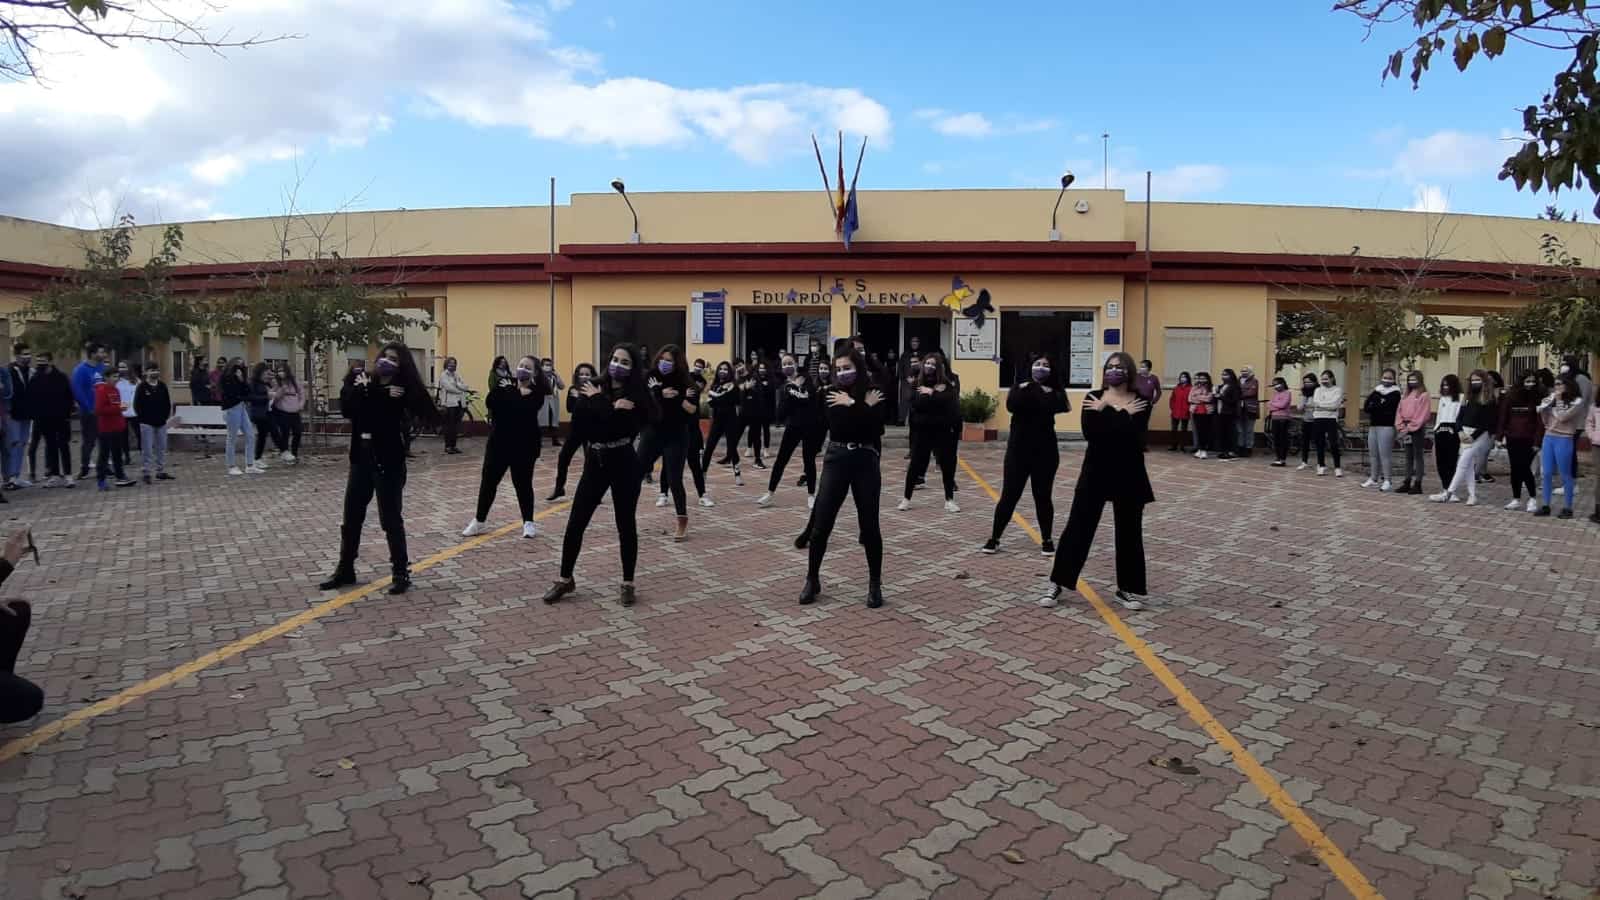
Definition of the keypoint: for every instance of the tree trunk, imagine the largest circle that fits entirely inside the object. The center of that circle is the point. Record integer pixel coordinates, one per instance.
(308, 378)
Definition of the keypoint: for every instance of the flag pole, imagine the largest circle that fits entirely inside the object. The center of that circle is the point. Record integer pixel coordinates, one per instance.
(826, 190)
(859, 158)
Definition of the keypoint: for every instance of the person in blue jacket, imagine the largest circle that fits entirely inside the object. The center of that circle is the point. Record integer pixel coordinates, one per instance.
(88, 373)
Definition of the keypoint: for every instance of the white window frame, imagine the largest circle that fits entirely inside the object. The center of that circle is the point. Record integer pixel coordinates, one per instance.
(1171, 367)
(1020, 371)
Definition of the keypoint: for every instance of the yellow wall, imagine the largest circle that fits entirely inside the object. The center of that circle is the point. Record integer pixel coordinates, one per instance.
(1242, 323)
(473, 310)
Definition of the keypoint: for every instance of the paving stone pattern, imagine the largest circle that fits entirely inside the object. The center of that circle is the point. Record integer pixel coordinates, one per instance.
(1421, 679)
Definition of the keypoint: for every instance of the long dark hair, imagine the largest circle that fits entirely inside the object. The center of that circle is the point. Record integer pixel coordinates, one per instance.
(578, 370)
(941, 373)
(1567, 386)
(863, 378)
(417, 399)
(258, 373)
(803, 371)
(1450, 386)
(1054, 381)
(679, 376)
(631, 387)
(1128, 366)
(288, 377)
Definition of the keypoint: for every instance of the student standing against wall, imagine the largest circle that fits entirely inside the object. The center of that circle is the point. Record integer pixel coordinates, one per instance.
(1479, 418)
(1411, 420)
(1229, 406)
(1179, 407)
(1563, 414)
(152, 404)
(1522, 429)
(1280, 412)
(451, 393)
(1382, 405)
(1249, 410)
(1447, 429)
(1308, 422)
(1327, 404)
(1032, 454)
(1148, 386)
(1203, 405)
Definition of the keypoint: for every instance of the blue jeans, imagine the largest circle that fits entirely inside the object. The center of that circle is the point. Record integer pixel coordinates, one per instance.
(16, 442)
(1558, 454)
(238, 419)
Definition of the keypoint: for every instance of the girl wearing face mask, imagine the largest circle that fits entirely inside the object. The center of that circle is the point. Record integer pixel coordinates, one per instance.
(696, 445)
(1563, 414)
(1522, 428)
(235, 392)
(935, 410)
(1479, 418)
(499, 372)
(855, 411)
(263, 393)
(1228, 401)
(616, 406)
(1447, 429)
(513, 444)
(1178, 404)
(582, 375)
(286, 407)
(1202, 405)
(550, 413)
(451, 394)
(1280, 412)
(377, 406)
(1410, 420)
(1031, 451)
(800, 411)
(1308, 422)
(678, 399)
(1113, 472)
(756, 408)
(1382, 405)
(725, 396)
(1326, 404)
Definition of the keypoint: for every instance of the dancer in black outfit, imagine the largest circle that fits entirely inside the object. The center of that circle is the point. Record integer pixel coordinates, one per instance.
(514, 442)
(855, 412)
(935, 413)
(678, 398)
(800, 410)
(581, 376)
(697, 444)
(20, 699)
(614, 408)
(377, 408)
(1031, 451)
(755, 413)
(1113, 472)
(725, 396)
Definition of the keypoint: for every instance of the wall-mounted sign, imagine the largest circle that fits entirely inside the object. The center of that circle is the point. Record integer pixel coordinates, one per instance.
(1113, 309)
(839, 290)
(708, 317)
(1113, 336)
(975, 341)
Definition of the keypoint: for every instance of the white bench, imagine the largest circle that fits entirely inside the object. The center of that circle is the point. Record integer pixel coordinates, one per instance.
(204, 422)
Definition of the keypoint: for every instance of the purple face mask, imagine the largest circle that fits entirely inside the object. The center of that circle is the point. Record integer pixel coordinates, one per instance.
(387, 366)
(845, 377)
(524, 374)
(618, 371)
(1041, 374)
(1115, 377)
(664, 366)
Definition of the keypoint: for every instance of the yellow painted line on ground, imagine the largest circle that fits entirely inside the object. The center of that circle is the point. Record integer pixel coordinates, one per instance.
(128, 695)
(1325, 849)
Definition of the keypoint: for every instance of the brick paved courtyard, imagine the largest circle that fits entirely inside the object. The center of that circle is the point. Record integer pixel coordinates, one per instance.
(1420, 683)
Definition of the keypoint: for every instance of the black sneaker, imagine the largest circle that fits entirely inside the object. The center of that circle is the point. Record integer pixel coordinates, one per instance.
(626, 596)
(1047, 547)
(400, 585)
(1564, 514)
(340, 579)
(146, 479)
(126, 482)
(556, 494)
(162, 476)
(1129, 601)
(1544, 511)
(991, 546)
(560, 589)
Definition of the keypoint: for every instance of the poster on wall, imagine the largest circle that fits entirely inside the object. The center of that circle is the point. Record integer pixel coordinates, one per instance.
(707, 317)
(1082, 368)
(975, 340)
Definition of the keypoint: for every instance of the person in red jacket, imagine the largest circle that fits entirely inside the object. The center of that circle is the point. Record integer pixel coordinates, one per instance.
(112, 429)
(1180, 412)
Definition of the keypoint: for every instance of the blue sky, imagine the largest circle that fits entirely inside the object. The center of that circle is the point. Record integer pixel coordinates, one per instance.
(1278, 102)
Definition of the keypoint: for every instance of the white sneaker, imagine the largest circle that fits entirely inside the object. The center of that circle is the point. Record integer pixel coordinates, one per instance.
(903, 505)
(1129, 601)
(474, 527)
(530, 529)
(1472, 500)
(705, 500)
(765, 499)
(1338, 473)
(1052, 599)
(288, 457)
(1387, 486)
(738, 480)
(1302, 467)
(54, 481)
(811, 501)
(1368, 483)
(259, 464)
(235, 471)
(1322, 470)
(1204, 455)
(1514, 504)
(1533, 505)
(257, 469)
(950, 506)
(24, 483)
(1199, 454)
(661, 500)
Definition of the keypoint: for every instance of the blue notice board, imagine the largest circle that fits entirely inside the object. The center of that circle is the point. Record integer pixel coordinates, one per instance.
(1113, 337)
(710, 317)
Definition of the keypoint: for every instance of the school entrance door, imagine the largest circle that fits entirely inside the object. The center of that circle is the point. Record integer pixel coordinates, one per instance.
(882, 332)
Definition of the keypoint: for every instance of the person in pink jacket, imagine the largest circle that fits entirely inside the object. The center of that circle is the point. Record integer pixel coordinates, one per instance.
(1280, 412)
(1416, 406)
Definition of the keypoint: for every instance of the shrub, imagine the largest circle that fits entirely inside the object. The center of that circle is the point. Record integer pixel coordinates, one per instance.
(978, 407)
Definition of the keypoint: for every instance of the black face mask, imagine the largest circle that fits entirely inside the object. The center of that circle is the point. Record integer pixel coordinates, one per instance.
(1308, 389)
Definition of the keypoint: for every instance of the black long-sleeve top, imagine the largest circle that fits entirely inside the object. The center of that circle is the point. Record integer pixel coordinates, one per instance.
(1479, 417)
(605, 423)
(50, 395)
(1382, 407)
(673, 415)
(152, 404)
(377, 422)
(725, 397)
(1113, 465)
(854, 424)
(516, 416)
(200, 388)
(759, 401)
(236, 390)
(800, 404)
(940, 410)
(1033, 414)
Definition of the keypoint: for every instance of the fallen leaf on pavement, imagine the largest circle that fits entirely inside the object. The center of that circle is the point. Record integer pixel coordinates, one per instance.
(1173, 764)
(1014, 857)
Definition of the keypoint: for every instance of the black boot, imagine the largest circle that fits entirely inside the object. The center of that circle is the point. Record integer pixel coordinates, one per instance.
(344, 576)
(400, 584)
(557, 494)
(874, 595)
(560, 589)
(803, 540)
(810, 592)
(626, 596)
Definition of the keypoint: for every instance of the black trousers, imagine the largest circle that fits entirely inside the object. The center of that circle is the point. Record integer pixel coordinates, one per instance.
(89, 431)
(497, 460)
(111, 445)
(757, 435)
(1226, 427)
(564, 459)
(1520, 452)
(939, 443)
(1204, 430)
(1328, 436)
(19, 698)
(1078, 537)
(1024, 465)
(615, 470)
(57, 436)
(267, 428)
(290, 427)
(452, 427)
(669, 444)
(1180, 428)
(1446, 451)
(1308, 436)
(1280, 438)
(809, 440)
(691, 457)
(386, 480)
(725, 427)
(853, 472)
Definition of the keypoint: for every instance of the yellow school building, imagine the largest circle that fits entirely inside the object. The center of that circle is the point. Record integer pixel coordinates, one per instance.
(1189, 286)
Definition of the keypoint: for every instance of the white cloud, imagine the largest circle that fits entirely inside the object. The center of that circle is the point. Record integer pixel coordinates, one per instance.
(1453, 154)
(1181, 182)
(113, 125)
(1429, 198)
(559, 5)
(978, 125)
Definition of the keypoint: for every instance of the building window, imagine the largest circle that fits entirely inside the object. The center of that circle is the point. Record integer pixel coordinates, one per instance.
(1186, 350)
(516, 341)
(1523, 360)
(1468, 359)
(180, 365)
(274, 352)
(649, 328)
(1067, 335)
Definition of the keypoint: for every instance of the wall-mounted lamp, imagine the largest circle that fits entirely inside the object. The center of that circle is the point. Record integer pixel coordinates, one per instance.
(619, 187)
(1066, 182)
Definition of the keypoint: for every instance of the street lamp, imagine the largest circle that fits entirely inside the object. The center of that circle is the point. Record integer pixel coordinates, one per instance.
(1066, 182)
(619, 187)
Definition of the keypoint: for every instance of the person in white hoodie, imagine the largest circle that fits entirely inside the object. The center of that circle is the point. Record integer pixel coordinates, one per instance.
(1326, 404)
